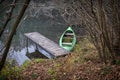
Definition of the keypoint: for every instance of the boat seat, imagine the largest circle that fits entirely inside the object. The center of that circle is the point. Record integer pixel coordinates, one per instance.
(65, 37)
(69, 34)
(64, 43)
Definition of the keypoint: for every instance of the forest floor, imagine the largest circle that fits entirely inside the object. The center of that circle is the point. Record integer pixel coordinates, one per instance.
(81, 64)
(67, 69)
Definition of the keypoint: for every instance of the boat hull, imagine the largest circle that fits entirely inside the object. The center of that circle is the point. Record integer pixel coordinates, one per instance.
(68, 39)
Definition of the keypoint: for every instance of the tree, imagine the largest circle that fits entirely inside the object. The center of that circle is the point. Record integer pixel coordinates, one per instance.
(96, 16)
(13, 30)
(9, 14)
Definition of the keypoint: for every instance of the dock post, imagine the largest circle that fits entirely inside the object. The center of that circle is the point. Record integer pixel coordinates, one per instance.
(36, 48)
(27, 45)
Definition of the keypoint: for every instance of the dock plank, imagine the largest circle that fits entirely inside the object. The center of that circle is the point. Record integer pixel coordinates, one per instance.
(47, 44)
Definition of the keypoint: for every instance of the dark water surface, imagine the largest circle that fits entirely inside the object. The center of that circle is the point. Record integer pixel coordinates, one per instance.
(45, 20)
(49, 28)
(41, 16)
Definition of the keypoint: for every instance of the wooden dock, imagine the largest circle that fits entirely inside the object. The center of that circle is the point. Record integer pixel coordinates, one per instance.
(45, 45)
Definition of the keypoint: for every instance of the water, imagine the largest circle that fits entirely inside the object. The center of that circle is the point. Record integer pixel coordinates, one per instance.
(45, 20)
(41, 16)
(43, 26)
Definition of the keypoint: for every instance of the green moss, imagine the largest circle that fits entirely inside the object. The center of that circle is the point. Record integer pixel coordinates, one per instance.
(57, 64)
(34, 75)
(52, 73)
(117, 62)
(39, 60)
(10, 70)
(26, 64)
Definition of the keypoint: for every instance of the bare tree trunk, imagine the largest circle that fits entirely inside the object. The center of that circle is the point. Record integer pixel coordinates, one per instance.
(9, 14)
(116, 24)
(108, 52)
(97, 16)
(22, 11)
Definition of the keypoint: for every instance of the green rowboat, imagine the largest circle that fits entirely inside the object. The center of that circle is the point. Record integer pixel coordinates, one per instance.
(68, 39)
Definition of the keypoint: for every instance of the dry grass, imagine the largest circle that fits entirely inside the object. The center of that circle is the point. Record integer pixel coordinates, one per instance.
(82, 64)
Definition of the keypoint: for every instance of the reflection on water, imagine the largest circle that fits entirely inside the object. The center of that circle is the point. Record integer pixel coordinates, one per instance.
(52, 32)
(46, 21)
(41, 16)
(20, 56)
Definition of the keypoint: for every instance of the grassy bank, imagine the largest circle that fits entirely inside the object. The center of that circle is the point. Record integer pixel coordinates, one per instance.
(81, 64)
